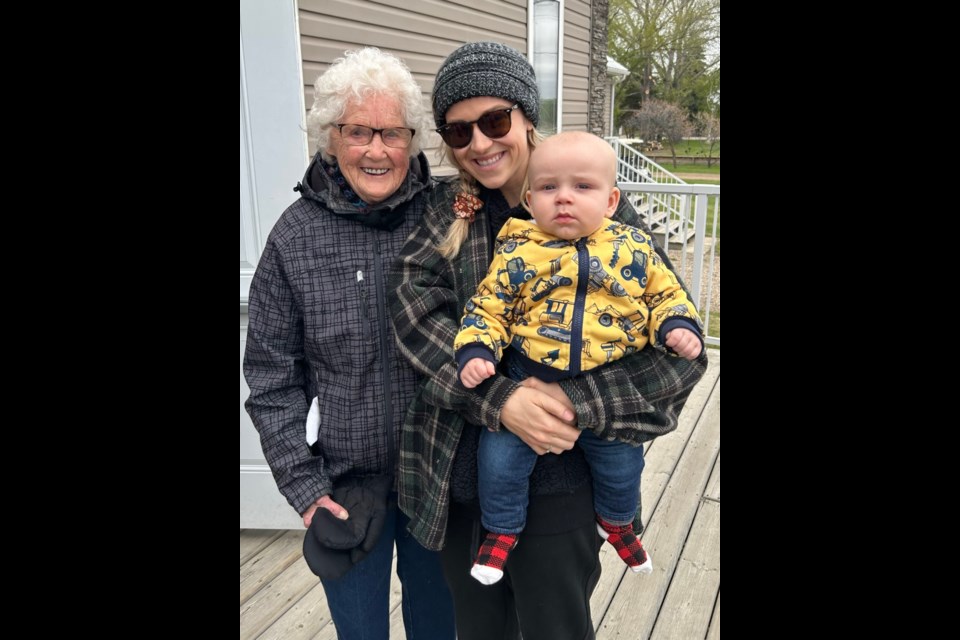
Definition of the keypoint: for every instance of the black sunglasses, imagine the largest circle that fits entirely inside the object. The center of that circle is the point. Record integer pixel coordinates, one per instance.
(493, 124)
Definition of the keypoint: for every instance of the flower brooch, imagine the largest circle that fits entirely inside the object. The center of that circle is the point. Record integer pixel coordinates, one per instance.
(466, 205)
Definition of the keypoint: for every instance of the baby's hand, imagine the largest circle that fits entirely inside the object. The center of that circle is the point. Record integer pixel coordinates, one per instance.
(476, 371)
(685, 342)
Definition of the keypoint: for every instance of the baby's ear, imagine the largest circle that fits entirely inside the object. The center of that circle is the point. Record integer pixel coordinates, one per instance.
(613, 202)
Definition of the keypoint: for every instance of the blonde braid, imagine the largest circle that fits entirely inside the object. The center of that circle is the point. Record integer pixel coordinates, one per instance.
(449, 247)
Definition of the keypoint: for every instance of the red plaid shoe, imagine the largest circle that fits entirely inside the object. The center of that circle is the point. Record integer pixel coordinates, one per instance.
(492, 556)
(628, 546)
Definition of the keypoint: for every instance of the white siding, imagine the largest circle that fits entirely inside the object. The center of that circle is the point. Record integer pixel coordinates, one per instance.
(272, 143)
(273, 156)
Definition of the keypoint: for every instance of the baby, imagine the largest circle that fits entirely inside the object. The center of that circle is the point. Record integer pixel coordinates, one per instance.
(566, 292)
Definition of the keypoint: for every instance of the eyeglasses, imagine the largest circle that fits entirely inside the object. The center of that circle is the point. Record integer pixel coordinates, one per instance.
(357, 135)
(493, 124)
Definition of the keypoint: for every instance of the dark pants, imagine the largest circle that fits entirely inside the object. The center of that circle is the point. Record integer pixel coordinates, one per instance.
(359, 601)
(545, 592)
(505, 461)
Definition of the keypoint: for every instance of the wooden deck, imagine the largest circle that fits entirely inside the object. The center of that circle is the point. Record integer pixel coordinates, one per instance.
(280, 598)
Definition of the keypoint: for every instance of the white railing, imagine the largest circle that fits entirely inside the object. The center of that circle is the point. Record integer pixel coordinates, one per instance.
(699, 265)
(633, 166)
(662, 209)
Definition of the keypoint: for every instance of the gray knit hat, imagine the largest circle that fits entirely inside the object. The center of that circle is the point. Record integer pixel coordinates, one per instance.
(486, 69)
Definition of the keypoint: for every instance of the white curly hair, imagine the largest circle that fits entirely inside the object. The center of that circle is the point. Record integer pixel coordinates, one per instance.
(355, 77)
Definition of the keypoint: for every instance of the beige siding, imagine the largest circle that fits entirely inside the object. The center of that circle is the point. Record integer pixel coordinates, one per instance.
(420, 33)
(576, 64)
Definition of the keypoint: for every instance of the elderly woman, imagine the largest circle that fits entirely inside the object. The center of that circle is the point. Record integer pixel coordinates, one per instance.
(319, 343)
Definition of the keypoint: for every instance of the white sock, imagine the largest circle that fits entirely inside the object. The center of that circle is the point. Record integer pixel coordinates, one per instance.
(646, 568)
(487, 575)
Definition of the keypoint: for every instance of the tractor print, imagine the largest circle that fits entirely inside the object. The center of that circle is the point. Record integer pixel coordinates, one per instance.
(554, 322)
(610, 348)
(631, 325)
(636, 270)
(543, 286)
(473, 320)
(516, 274)
(600, 279)
(677, 310)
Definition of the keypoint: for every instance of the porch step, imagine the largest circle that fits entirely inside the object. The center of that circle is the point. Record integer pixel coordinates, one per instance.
(656, 220)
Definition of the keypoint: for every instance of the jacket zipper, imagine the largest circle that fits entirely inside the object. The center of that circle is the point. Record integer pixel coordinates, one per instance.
(576, 330)
(381, 304)
(364, 299)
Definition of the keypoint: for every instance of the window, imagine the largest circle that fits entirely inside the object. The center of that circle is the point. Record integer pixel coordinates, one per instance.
(547, 61)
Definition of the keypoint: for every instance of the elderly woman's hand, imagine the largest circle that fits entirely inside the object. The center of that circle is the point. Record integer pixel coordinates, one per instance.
(325, 502)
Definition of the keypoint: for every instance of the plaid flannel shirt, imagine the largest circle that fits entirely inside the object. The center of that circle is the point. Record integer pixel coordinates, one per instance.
(643, 392)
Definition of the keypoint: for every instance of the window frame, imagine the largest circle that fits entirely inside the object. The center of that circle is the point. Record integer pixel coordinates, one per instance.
(531, 47)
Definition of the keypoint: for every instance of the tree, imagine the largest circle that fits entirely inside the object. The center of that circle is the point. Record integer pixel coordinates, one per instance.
(633, 35)
(708, 126)
(672, 49)
(659, 120)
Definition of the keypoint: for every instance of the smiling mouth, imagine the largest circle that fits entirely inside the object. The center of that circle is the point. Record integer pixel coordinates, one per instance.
(375, 172)
(486, 162)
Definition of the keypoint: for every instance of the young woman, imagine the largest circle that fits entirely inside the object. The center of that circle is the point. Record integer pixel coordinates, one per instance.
(486, 107)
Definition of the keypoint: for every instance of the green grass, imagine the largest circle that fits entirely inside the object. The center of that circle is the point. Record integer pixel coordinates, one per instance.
(695, 148)
(714, 326)
(710, 214)
(710, 209)
(689, 168)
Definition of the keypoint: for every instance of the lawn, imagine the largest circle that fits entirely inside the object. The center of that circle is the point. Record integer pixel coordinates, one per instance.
(687, 167)
(714, 329)
(710, 210)
(695, 148)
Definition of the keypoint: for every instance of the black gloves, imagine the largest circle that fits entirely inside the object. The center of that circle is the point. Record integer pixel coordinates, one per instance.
(332, 546)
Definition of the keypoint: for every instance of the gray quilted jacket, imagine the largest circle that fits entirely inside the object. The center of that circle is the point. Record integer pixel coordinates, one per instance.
(319, 327)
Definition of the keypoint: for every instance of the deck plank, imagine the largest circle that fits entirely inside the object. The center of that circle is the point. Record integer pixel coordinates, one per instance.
(660, 461)
(634, 609)
(612, 569)
(693, 591)
(276, 597)
(713, 485)
(397, 631)
(303, 620)
(664, 453)
(714, 633)
(252, 541)
(270, 562)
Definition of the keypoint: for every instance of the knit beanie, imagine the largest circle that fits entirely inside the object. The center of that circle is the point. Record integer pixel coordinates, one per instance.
(482, 69)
